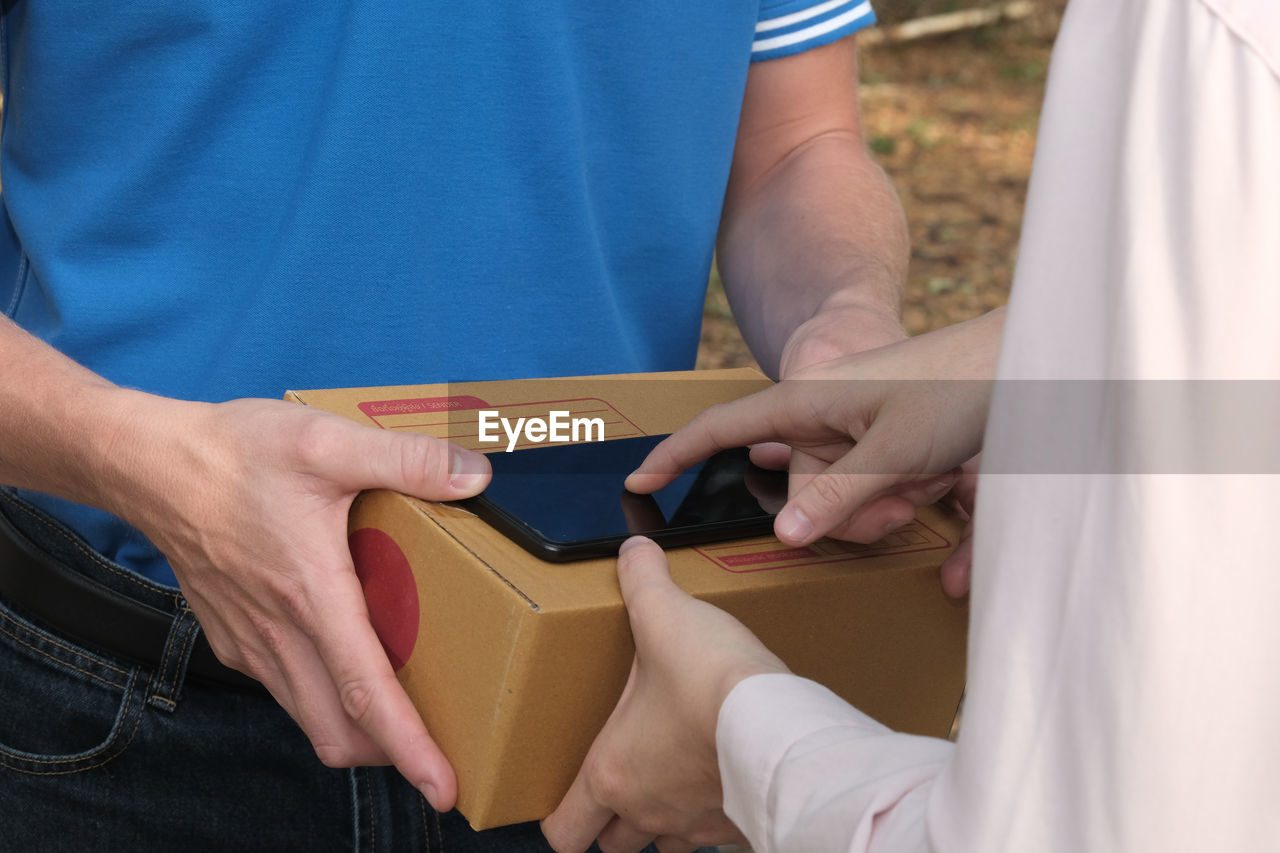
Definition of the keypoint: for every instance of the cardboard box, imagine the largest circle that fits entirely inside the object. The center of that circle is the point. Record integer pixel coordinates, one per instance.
(516, 663)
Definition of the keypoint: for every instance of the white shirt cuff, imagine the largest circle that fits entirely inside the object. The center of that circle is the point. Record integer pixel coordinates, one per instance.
(799, 766)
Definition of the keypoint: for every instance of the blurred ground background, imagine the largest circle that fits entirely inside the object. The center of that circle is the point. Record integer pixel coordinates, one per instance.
(952, 120)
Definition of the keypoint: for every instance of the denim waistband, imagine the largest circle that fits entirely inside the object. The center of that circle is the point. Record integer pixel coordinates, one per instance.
(53, 575)
(65, 545)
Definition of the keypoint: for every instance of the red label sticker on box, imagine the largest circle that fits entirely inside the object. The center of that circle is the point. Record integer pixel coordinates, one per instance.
(384, 412)
(768, 554)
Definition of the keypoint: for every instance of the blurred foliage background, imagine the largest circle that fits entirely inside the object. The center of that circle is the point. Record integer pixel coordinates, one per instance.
(897, 11)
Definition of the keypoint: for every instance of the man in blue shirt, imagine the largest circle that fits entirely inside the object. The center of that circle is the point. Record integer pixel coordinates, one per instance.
(207, 203)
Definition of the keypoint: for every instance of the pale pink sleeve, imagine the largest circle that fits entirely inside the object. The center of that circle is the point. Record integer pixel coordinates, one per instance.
(804, 770)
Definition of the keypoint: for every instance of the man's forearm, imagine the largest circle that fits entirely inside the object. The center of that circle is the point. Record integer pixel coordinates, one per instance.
(60, 424)
(812, 237)
(822, 230)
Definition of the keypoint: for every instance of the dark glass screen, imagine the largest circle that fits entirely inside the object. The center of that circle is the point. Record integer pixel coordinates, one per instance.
(573, 492)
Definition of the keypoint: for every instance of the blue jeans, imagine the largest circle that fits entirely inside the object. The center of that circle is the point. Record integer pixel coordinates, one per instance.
(97, 752)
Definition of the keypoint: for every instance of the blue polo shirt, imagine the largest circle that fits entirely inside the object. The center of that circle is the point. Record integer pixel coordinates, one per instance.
(211, 200)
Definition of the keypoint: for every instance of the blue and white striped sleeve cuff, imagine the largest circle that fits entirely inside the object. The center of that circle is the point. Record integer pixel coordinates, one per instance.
(792, 26)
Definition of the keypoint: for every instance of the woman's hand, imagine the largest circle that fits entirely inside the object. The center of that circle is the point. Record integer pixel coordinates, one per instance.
(652, 773)
(892, 426)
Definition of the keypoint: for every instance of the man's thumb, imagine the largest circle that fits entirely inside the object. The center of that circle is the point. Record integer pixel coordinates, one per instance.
(423, 466)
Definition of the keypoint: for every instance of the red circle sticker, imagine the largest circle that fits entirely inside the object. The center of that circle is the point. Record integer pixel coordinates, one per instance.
(389, 590)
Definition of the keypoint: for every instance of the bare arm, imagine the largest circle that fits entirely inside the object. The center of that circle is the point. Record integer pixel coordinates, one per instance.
(248, 500)
(813, 244)
(58, 422)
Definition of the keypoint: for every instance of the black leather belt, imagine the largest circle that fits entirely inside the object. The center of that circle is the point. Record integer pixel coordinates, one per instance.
(97, 616)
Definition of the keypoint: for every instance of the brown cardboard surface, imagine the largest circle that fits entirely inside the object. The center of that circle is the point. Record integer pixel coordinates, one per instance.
(515, 663)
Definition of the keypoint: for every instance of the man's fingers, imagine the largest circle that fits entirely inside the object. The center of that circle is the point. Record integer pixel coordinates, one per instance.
(374, 700)
(306, 690)
(430, 468)
(577, 820)
(285, 660)
(419, 465)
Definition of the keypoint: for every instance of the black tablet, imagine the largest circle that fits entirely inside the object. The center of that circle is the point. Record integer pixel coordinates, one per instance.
(567, 502)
